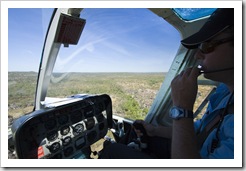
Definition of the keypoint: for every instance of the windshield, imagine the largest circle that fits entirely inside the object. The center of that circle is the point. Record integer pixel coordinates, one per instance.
(125, 53)
(27, 28)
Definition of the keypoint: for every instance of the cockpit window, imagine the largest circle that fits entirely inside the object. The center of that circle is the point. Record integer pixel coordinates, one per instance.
(27, 28)
(193, 13)
(125, 53)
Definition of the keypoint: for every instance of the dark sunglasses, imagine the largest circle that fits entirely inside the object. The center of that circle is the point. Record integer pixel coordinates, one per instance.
(208, 47)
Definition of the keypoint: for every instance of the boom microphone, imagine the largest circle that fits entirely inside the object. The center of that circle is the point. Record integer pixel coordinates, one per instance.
(213, 71)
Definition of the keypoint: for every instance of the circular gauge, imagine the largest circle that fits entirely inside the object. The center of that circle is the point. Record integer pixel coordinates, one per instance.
(63, 119)
(66, 141)
(65, 130)
(50, 124)
(54, 147)
(78, 129)
(51, 136)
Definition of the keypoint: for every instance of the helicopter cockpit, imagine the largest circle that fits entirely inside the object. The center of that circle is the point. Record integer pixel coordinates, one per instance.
(86, 90)
(66, 127)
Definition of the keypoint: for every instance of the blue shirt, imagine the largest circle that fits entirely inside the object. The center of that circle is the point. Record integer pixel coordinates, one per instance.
(225, 147)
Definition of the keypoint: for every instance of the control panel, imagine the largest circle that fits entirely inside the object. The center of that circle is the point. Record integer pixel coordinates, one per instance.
(64, 131)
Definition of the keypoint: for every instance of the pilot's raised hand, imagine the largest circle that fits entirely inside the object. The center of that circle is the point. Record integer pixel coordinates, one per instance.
(184, 88)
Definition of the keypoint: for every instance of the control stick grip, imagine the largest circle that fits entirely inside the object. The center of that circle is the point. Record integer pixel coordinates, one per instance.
(143, 138)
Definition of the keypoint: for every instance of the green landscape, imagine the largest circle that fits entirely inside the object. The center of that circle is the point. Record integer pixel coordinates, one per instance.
(132, 93)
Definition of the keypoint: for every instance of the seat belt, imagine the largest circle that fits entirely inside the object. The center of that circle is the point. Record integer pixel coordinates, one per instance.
(202, 136)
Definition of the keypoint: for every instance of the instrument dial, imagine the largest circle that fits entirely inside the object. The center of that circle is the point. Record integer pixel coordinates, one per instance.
(66, 141)
(54, 147)
(78, 129)
(65, 130)
(51, 136)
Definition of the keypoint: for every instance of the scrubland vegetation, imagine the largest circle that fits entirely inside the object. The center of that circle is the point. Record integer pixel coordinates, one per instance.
(132, 93)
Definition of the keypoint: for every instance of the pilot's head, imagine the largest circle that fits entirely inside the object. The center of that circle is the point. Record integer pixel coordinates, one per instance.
(215, 43)
(221, 20)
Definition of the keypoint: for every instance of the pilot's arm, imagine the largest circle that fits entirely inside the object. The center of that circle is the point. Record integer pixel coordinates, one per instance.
(184, 90)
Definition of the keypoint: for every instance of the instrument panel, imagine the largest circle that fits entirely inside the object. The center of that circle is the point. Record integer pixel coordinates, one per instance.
(64, 131)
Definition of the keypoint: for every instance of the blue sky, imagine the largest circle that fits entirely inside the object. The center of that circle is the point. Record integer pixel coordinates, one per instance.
(26, 33)
(113, 40)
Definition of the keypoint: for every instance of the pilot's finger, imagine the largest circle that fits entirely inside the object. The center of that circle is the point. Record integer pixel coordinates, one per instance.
(191, 72)
(195, 72)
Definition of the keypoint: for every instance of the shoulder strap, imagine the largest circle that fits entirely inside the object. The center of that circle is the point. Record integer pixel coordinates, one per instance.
(201, 137)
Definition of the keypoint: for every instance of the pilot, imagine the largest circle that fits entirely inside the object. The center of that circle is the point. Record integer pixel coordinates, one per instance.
(211, 137)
